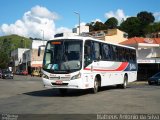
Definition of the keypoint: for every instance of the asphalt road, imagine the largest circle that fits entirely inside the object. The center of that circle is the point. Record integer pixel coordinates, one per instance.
(26, 95)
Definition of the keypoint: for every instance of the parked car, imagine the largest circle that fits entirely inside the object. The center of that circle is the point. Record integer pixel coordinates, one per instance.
(6, 74)
(24, 72)
(18, 72)
(36, 73)
(155, 79)
(0, 73)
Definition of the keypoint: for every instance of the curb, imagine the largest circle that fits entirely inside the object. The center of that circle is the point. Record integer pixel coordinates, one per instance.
(139, 83)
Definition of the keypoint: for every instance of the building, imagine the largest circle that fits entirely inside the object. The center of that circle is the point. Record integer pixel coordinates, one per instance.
(83, 29)
(28, 59)
(110, 35)
(31, 60)
(17, 57)
(36, 43)
(148, 55)
(115, 36)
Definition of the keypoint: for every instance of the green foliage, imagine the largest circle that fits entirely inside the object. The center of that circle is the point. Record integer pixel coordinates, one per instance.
(152, 28)
(10, 43)
(139, 26)
(99, 26)
(91, 26)
(145, 17)
(111, 23)
(131, 26)
(4, 59)
(95, 26)
(135, 26)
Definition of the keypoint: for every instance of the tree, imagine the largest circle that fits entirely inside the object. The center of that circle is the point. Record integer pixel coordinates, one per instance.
(4, 60)
(131, 26)
(152, 28)
(145, 17)
(5, 53)
(91, 26)
(111, 23)
(99, 26)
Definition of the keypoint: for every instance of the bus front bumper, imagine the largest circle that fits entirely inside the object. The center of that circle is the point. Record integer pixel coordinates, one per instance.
(71, 84)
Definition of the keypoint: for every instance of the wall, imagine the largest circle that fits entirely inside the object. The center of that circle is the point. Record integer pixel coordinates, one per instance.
(115, 36)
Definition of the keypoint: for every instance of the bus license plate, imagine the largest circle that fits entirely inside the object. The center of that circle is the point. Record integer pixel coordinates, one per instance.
(59, 82)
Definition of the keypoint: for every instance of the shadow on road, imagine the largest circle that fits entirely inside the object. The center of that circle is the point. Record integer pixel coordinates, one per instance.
(70, 92)
(56, 93)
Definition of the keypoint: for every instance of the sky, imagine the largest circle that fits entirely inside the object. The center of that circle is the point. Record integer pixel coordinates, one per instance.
(33, 18)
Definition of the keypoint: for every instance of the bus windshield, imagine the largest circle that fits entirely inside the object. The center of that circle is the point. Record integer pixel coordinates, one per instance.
(63, 56)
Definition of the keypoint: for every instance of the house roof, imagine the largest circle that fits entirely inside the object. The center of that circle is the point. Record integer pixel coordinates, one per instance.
(137, 40)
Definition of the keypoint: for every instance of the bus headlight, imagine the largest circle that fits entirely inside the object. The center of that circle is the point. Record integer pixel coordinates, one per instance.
(45, 76)
(76, 76)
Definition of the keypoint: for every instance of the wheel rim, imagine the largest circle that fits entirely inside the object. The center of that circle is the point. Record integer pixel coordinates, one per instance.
(125, 82)
(95, 86)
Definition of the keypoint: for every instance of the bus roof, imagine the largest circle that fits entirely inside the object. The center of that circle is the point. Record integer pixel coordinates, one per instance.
(90, 38)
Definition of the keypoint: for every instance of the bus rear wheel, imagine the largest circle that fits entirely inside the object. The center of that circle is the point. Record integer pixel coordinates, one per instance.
(125, 82)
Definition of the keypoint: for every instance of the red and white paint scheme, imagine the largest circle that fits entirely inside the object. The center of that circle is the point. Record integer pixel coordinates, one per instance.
(84, 62)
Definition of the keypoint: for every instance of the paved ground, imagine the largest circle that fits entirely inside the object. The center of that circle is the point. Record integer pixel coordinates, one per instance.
(26, 95)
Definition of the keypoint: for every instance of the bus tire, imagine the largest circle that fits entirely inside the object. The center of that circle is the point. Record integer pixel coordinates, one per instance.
(63, 91)
(96, 86)
(125, 82)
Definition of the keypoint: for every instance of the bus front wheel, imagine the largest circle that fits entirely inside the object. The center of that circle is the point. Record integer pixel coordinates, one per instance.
(96, 86)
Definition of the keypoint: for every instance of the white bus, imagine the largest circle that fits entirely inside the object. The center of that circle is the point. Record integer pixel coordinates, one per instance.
(84, 62)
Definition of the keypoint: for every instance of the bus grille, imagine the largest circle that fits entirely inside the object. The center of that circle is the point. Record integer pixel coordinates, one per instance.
(60, 84)
(60, 78)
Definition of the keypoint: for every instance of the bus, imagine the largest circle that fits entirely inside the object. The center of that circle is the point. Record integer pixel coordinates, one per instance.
(87, 63)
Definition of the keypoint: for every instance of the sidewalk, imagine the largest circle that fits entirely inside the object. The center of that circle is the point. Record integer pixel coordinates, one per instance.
(139, 83)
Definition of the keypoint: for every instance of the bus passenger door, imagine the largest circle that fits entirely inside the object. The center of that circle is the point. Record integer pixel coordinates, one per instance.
(88, 63)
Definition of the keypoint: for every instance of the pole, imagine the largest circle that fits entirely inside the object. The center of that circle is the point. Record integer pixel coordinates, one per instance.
(14, 59)
(43, 36)
(79, 20)
(25, 54)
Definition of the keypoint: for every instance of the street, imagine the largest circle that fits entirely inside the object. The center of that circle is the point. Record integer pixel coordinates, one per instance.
(26, 95)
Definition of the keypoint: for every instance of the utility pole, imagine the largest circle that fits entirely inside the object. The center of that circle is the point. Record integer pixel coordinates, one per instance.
(43, 36)
(25, 54)
(79, 19)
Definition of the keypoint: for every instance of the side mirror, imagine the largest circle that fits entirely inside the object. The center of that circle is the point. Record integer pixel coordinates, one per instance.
(39, 49)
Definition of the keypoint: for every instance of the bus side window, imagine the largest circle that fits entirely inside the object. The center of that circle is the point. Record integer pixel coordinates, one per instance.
(123, 55)
(127, 54)
(106, 52)
(115, 58)
(133, 55)
(120, 54)
(96, 53)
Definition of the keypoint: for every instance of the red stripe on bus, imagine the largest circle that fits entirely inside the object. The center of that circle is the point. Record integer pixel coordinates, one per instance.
(120, 68)
(123, 66)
